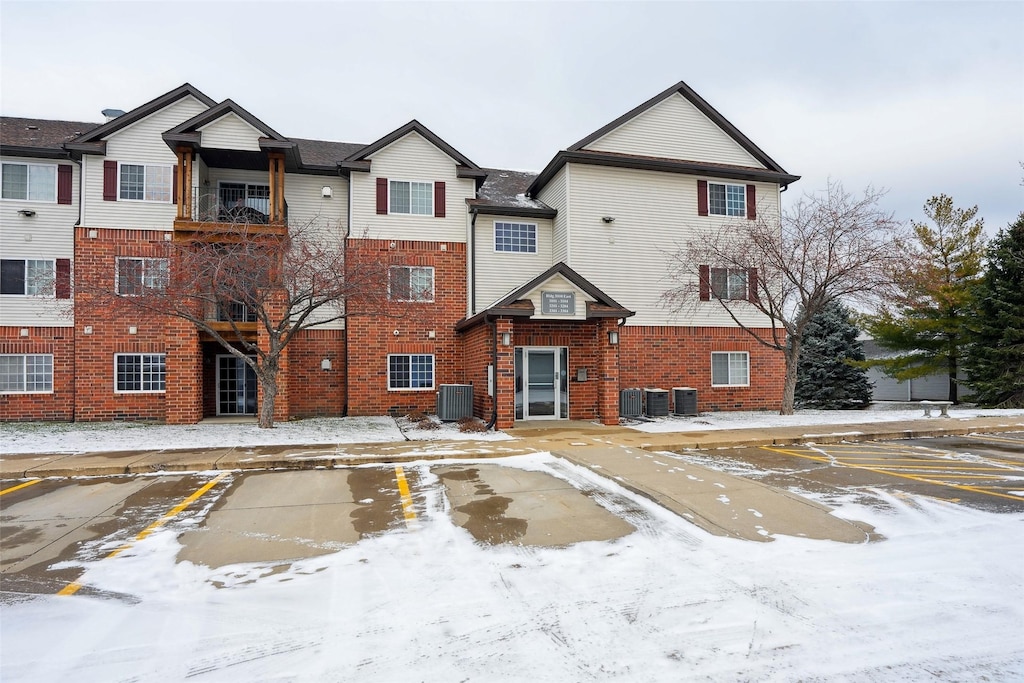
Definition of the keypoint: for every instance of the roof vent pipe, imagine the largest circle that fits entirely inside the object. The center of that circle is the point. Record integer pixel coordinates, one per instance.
(112, 114)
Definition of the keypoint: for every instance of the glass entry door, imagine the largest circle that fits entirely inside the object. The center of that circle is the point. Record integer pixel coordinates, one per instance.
(236, 387)
(542, 385)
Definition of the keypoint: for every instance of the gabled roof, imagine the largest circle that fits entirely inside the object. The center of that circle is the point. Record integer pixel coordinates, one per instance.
(358, 160)
(503, 193)
(188, 133)
(514, 304)
(93, 143)
(578, 154)
(39, 137)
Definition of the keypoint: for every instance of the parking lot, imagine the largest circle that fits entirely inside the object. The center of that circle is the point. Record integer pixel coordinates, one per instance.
(984, 471)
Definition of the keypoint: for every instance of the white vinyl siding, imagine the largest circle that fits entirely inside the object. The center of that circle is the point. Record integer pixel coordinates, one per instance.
(26, 373)
(660, 207)
(675, 129)
(560, 285)
(138, 143)
(555, 195)
(411, 158)
(230, 132)
(730, 369)
(49, 235)
(498, 273)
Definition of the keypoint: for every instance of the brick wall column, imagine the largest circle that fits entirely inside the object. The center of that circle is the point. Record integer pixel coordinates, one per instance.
(505, 376)
(608, 359)
(184, 365)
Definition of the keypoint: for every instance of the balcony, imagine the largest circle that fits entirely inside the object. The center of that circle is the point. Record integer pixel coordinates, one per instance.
(232, 316)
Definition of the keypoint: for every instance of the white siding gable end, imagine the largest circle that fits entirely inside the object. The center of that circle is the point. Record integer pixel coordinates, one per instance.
(231, 132)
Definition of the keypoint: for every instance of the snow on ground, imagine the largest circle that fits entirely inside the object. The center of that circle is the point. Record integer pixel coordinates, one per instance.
(939, 599)
(82, 437)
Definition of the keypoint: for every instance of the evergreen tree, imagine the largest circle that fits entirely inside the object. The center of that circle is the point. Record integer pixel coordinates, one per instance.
(995, 358)
(825, 377)
(925, 320)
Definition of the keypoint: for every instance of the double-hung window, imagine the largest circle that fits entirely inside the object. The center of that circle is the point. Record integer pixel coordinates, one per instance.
(27, 277)
(411, 371)
(140, 372)
(730, 369)
(26, 373)
(729, 283)
(411, 198)
(515, 237)
(727, 200)
(411, 283)
(32, 182)
(145, 182)
(136, 275)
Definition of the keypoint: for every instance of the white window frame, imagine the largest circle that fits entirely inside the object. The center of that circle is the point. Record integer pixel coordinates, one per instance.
(732, 357)
(153, 274)
(522, 235)
(144, 358)
(36, 283)
(737, 284)
(410, 183)
(147, 188)
(45, 386)
(28, 182)
(732, 208)
(426, 298)
(410, 357)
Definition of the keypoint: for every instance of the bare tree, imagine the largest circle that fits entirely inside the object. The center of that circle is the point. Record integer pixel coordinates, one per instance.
(229, 278)
(827, 247)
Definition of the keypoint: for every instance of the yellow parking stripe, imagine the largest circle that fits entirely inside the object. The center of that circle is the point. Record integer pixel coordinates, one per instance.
(20, 486)
(403, 490)
(75, 586)
(1017, 442)
(877, 470)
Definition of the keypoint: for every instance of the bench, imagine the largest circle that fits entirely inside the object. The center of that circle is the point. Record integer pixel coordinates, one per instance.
(943, 407)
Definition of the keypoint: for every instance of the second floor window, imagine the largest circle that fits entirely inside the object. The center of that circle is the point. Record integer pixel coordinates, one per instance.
(729, 283)
(727, 200)
(136, 275)
(411, 197)
(150, 183)
(27, 277)
(411, 283)
(515, 237)
(34, 182)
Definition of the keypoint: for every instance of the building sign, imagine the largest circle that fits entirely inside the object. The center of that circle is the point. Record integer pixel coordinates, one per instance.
(558, 303)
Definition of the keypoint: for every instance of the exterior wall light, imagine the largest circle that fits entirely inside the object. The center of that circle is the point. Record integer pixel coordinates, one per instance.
(325, 364)
(506, 339)
(613, 337)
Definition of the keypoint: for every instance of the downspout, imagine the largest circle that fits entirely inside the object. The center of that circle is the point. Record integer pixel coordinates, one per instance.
(494, 355)
(472, 263)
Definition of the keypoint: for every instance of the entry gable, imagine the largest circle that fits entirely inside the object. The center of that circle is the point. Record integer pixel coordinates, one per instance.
(226, 126)
(361, 160)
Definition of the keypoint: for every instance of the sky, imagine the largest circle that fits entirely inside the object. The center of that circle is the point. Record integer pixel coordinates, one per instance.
(916, 98)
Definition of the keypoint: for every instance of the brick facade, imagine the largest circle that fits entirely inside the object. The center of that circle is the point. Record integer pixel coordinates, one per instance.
(58, 404)
(667, 357)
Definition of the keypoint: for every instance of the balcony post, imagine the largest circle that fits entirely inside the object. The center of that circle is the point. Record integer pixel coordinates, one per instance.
(276, 187)
(184, 182)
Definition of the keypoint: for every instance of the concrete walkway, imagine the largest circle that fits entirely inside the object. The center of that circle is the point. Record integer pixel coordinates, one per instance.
(720, 503)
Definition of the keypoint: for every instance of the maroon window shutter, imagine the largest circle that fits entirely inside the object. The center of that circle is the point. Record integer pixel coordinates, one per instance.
(382, 196)
(174, 185)
(62, 284)
(705, 283)
(702, 198)
(439, 199)
(751, 202)
(64, 183)
(752, 285)
(109, 181)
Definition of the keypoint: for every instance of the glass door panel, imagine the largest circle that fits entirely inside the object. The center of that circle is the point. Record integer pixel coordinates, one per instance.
(541, 382)
(236, 387)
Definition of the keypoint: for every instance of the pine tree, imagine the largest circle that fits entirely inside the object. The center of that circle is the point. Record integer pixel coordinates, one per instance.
(926, 318)
(995, 358)
(825, 378)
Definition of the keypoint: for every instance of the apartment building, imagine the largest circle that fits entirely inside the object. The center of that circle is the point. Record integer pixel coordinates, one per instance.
(541, 291)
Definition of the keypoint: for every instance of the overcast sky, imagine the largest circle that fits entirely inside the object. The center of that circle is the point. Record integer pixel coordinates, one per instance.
(919, 98)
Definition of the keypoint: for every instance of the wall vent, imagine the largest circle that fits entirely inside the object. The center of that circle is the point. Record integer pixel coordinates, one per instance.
(454, 401)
